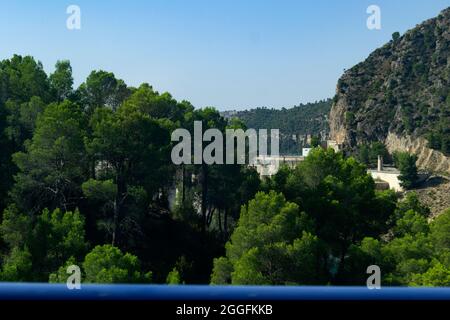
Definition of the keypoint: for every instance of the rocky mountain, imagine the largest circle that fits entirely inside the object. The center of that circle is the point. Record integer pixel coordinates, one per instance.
(400, 95)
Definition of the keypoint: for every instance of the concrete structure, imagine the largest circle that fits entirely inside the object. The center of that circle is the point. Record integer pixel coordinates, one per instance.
(269, 165)
(380, 163)
(334, 145)
(389, 176)
(386, 176)
(305, 151)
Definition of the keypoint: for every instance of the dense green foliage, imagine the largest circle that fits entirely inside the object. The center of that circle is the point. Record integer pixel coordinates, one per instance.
(106, 264)
(418, 255)
(334, 226)
(272, 244)
(41, 246)
(368, 153)
(173, 277)
(406, 163)
(86, 167)
(340, 207)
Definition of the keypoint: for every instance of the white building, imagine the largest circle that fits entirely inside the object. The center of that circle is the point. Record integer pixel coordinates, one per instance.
(305, 151)
(386, 175)
(269, 165)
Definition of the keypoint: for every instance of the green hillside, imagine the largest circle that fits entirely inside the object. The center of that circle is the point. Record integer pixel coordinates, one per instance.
(302, 120)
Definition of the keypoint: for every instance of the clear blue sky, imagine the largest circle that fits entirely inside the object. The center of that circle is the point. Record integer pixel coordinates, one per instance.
(225, 53)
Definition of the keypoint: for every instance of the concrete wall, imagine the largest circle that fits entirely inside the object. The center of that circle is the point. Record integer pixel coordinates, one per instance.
(305, 151)
(269, 165)
(389, 177)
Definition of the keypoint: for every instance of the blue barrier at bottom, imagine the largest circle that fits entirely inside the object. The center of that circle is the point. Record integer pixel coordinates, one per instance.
(45, 291)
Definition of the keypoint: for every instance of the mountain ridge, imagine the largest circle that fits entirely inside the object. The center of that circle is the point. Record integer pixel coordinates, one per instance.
(400, 95)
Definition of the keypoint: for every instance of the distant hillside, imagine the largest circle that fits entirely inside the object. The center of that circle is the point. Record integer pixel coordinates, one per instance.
(295, 124)
(400, 95)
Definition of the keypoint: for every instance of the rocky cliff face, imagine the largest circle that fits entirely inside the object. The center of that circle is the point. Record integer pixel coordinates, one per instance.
(400, 95)
(426, 158)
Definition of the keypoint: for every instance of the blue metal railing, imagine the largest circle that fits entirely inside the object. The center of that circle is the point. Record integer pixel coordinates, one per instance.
(45, 291)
